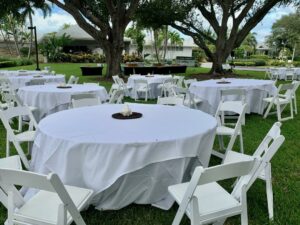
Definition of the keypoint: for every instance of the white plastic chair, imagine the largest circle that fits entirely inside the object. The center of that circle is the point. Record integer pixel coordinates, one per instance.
(281, 101)
(294, 95)
(188, 82)
(265, 151)
(240, 99)
(204, 201)
(172, 100)
(167, 88)
(84, 100)
(73, 80)
(14, 163)
(115, 85)
(53, 204)
(116, 97)
(290, 74)
(141, 86)
(224, 130)
(191, 100)
(21, 136)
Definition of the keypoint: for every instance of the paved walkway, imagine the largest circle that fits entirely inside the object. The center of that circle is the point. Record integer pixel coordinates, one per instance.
(253, 68)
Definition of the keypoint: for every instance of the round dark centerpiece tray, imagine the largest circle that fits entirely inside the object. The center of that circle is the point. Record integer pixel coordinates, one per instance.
(36, 76)
(223, 82)
(120, 116)
(64, 87)
(149, 76)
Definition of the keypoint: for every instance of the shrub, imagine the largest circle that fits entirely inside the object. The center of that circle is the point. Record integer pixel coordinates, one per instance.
(264, 57)
(277, 63)
(24, 62)
(131, 58)
(80, 58)
(4, 64)
(250, 62)
(260, 62)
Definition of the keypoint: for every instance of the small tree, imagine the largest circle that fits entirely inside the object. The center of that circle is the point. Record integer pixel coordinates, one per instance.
(136, 33)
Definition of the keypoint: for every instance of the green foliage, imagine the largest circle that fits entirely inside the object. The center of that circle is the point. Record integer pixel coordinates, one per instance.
(277, 63)
(137, 35)
(51, 46)
(6, 62)
(250, 62)
(264, 57)
(131, 58)
(80, 58)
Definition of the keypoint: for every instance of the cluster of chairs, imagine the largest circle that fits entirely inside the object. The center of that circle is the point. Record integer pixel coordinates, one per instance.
(283, 73)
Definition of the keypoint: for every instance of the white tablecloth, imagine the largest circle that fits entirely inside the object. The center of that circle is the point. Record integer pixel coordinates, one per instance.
(153, 82)
(21, 80)
(23, 72)
(210, 92)
(50, 99)
(124, 161)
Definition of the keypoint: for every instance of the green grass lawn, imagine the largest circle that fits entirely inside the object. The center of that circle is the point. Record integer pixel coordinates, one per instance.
(285, 171)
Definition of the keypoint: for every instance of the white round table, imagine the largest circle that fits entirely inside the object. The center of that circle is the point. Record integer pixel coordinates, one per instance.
(210, 92)
(124, 161)
(23, 72)
(50, 99)
(19, 81)
(153, 82)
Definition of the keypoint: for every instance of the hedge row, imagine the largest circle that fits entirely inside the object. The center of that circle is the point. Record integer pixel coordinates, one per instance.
(257, 62)
(15, 62)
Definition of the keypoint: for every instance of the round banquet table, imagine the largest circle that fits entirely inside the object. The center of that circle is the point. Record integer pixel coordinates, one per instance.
(210, 92)
(50, 99)
(23, 72)
(153, 82)
(21, 80)
(124, 161)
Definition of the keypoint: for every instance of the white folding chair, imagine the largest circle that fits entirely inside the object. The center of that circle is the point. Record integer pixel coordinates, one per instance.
(191, 100)
(224, 129)
(141, 86)
(281, 101)
(205, 201)
(14, 163)
(172, 100)
(84, 100)
(53, 204)
(73, 80)
(167, 88)
(290, 74)
(18, 137)
(236, 96)
(294, 95)
(115, 85)
(188, 82)
(116, 97)
(265, 151)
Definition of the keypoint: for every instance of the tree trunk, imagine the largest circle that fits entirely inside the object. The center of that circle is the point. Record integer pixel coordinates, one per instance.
(218, 59)
(113, 61)
(165, 41)
(31, 36)
(155, 33)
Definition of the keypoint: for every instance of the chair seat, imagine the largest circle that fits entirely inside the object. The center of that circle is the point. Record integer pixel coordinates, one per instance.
(32, 108)
(222, 130)
(280, 100)
(12, 162)
(211, 197)
(26, 136)
(36, 209)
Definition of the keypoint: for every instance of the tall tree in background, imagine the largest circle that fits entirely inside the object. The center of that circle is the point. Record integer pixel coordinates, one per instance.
(27, 10)
(136, 33)
(105, 21)
(285, 33)
(229, 20)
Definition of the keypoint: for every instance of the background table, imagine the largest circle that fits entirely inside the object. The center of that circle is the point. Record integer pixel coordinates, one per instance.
(49, 99)
(210, 92)
(153, 83)
(18, 81)
(124, 161)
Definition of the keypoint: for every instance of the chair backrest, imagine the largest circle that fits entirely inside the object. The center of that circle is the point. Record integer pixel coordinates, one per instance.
(213, 174)
(288, 90)
(240, 93)
(179, 81)
(17, 112)
(140, 83)
(85, 99)
(231, 106)
(188, 82)
(116, 97)
(73, 80)
(115, 79)
(36, 82)
(172, 100)
(12, 178)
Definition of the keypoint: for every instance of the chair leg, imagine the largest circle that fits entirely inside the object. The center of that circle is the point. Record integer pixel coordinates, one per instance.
(221, 142)
(241, 142)
(278, 109)
(268, 110)
(295, 105)
(269, 191)
(7, 147)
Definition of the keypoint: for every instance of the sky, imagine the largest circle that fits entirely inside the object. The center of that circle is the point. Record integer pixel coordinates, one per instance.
(59, 17)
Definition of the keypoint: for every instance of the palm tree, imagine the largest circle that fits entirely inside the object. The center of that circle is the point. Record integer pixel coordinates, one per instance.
(175, 39)
(27, 10)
